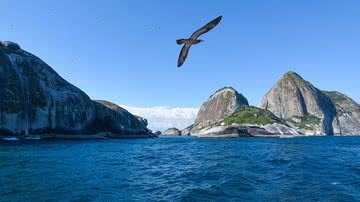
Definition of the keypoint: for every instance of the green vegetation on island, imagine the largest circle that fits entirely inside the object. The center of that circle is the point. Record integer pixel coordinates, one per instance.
(252, 115)
(337, 97)
(308, 122)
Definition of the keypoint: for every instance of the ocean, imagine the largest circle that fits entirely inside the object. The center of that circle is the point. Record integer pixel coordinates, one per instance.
(182, 169)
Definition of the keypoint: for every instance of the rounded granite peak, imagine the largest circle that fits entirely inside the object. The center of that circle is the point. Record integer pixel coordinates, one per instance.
(292, 97)
(225, 88)
(292, 75)
(11, 45)
(232, 91)
(222, 103)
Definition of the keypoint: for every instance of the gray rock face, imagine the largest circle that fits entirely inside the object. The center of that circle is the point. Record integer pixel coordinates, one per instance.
(248, 122)
(294, 99)
(223, 132)
(34, 99)
(237, 119)
(347, 120)
(278, 129)
(142, 120)
(247, 130)
(112, 118)
(293, 107)
(220, 105)
(187, 131)
(172, 132)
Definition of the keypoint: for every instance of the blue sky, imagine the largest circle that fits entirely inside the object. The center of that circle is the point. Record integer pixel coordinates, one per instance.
(125, 51)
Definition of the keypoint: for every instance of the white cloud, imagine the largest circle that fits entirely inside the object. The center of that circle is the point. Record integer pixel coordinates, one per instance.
(161, 118)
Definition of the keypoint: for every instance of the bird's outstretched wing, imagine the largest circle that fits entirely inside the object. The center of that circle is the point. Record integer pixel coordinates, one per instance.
(183, 54)
(206, 28)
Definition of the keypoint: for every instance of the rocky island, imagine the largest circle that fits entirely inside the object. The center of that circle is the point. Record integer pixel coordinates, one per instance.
(35, 100)
(172, 132)
(227, 114)
(293, 107)
(310, 110)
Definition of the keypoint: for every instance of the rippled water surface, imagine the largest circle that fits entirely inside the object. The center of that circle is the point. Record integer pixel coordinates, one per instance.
(182, 169)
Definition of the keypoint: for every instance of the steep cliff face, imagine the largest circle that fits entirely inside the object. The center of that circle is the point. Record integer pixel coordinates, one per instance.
(35, 99)
(347, 120)
(220, 105)
(112, 118)
(300, 103)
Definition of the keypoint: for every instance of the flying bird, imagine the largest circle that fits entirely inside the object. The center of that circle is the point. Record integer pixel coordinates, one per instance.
(194, 39)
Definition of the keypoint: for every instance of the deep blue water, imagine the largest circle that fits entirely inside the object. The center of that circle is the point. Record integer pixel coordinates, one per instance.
(182, 169)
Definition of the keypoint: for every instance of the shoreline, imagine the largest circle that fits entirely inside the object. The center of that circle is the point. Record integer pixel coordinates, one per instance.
(96, 136)
(109, 136)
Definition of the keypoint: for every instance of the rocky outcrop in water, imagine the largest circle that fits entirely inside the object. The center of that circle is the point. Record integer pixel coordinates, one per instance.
(310, 110)
(172, 132)
(301, 104)
(34, 99)
(236, 118)
(112, 118)
(293, 107)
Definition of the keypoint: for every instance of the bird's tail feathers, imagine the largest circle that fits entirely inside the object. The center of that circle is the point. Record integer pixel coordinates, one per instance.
(180, 41)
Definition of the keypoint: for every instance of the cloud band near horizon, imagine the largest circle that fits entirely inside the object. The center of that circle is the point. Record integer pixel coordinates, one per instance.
(161, 118)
